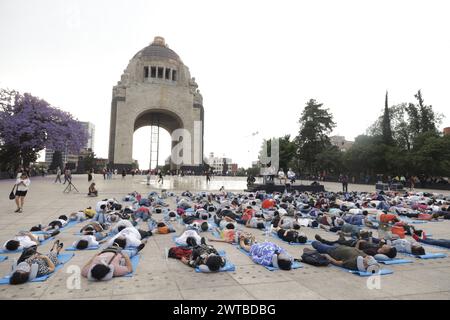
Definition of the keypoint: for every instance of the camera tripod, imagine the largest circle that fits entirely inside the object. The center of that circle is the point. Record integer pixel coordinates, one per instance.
(70, 186)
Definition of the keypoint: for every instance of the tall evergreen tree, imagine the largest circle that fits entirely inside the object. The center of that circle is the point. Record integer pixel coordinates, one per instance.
(315, 125)
(386, 125)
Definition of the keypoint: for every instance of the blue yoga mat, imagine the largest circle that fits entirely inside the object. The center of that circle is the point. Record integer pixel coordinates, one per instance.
(382, 272)
(134, 263)
(20, 251)
(3, 258)
(295, 264)
(428, 255)
(395, 261)
(62, 258)
(72, 248)
(412, 221)
(291, 243)
(68, 225)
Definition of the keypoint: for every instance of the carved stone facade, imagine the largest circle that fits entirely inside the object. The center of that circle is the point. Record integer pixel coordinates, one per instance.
(156, 88)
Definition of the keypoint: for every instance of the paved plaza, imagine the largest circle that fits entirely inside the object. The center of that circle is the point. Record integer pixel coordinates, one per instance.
(160, 278)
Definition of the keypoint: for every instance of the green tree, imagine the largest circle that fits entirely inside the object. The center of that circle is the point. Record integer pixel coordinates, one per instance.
(331, 160)
(316, 123)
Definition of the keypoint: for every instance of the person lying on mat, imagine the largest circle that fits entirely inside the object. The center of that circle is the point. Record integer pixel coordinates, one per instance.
(267, 254)
(347, 257)
(161, 227)
(85, 241)
(131, 237)
(433, 242)
(189, 238)
(52, 226)
(257, 222)
(78, 216)
(346, 228)
(367, 247)
(111, 262)
(205, 257)
(225, 222)
(121, 224)
(32, 264)
(232, 236)
(194, 223)
(95, 226)
(403, 246)
(291, 235)
(286, 222)
(25, 239)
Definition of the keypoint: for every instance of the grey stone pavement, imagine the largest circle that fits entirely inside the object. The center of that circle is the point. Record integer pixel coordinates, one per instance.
(160, 278)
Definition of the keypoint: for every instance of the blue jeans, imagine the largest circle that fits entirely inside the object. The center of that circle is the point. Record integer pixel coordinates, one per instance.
(436, 242)
(130, 252)
(322, 248)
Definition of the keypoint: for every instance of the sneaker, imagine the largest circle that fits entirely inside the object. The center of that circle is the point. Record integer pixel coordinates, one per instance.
(17, 210)
(318, 237)
(20, 210)
(140, 247)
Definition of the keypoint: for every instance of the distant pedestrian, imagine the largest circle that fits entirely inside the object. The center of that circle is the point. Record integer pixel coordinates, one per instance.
(149, 175)
(58, 175)
(66, 175)
(90, 176)
(124, 173)
(160, 177)
(22, 185)
(344, 181)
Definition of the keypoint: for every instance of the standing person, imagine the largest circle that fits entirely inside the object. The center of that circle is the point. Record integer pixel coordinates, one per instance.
(65, 175)
(208, 177)
(104, 173)
(90, 175)
(132, 173)
(344, 180)
(160, 177)
(149, 175)
(281, 176)
(291, 176)
(19, 172)
(22, 185)
(58, 175)
(124, 173)
(69, 176)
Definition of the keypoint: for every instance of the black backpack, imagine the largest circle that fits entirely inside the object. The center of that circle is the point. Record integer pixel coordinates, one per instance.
(314, 258)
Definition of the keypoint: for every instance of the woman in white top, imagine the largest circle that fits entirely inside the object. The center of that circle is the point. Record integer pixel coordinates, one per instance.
(22, 185)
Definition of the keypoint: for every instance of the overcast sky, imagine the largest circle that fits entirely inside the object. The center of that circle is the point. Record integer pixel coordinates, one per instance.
(256, 62)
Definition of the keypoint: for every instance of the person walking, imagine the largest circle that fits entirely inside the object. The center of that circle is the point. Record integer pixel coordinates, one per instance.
(208, 177)
(58, 175)
(22, 185)
(124, 173)
(160, 177)
(90, 176)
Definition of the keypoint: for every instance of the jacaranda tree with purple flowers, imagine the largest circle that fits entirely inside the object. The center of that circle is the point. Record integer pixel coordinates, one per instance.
(29, 124)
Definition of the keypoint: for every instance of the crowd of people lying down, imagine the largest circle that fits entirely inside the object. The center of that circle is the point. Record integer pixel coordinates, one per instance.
(119, 230)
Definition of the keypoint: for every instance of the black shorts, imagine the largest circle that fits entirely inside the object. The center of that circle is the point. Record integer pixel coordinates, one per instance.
(55, 224)
(21, 193)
